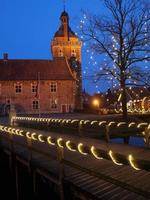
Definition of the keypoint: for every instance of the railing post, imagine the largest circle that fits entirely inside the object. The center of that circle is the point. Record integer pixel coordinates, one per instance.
(147, 136)
(11, 158)
(61, 171)
(107, 137)
(29, 144)
(80, 128)
(12, 114)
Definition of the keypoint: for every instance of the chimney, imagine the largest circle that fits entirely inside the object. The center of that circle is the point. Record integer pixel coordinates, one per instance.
(5, 56)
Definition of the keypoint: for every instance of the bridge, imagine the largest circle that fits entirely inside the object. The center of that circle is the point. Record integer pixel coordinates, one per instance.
(75, 159)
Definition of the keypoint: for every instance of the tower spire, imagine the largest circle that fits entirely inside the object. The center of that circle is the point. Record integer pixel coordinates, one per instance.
(64, 5)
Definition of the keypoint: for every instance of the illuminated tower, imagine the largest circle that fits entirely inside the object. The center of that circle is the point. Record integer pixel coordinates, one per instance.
(66, 44)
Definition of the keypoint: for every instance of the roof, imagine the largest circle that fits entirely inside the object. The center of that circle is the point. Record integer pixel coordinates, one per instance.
(64, 13)
(60, 32)
(56, 69)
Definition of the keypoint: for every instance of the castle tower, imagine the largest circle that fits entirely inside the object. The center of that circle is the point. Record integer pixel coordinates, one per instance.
(66, 44)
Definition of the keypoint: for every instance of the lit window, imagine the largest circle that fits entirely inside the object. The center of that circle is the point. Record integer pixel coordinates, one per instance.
(60, 53)
(34, 87)
(53, 103)
(73, 53)
(35, 105)
(53, 87)
(18, 88)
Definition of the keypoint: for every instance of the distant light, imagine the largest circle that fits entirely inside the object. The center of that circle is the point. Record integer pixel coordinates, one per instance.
(96, 102)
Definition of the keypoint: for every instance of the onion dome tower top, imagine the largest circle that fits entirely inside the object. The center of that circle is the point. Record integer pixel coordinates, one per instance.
(64, 29)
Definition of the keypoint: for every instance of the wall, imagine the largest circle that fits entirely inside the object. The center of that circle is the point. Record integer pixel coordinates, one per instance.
(23, 100)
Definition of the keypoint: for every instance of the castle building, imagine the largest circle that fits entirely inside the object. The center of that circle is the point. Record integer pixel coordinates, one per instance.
(45, 86)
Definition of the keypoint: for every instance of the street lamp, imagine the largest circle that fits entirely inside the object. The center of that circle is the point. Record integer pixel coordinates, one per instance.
(96, 104)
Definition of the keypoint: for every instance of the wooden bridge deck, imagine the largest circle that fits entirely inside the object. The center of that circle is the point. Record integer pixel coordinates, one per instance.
(96, 179)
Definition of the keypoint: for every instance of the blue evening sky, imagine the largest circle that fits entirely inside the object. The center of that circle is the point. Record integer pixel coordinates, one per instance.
(28, 26)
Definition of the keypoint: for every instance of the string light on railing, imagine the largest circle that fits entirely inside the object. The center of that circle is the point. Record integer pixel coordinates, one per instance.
(131, 161)
(95, 154)
(68, 145)
(113, 158)
(33, 136)
(79, 146)
(59, 140)
(80, 149)
(5, 129)
(49, 141)
(28, 135)
(40, 138)
(13, 131)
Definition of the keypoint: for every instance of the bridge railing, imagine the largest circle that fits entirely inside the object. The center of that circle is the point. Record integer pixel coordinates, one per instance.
(86, 128)
(118, 158)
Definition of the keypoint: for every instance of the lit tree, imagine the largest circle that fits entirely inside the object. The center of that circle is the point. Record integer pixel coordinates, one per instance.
(123, 35)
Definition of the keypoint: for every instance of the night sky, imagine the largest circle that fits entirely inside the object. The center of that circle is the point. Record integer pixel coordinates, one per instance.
(28, 26)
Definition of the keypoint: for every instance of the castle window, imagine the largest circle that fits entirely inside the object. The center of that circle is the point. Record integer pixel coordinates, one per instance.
(60, 53)
(73, 53)
(53, 103)
(34, 87)
(53, 87)
(35, 105)
(18, 88)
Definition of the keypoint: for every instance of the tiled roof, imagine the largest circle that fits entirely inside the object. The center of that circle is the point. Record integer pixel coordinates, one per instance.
(57, 69)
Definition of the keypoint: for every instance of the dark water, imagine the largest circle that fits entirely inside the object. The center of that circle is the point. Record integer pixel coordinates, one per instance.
(135, 141)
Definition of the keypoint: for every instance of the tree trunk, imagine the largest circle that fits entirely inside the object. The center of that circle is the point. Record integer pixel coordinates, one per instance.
(124, 99)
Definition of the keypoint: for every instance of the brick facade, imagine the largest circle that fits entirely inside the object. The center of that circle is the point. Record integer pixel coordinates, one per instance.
(61, 100)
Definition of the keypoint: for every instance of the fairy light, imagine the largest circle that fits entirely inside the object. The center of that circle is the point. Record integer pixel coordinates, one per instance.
(121, 123)
(93, 122)
(33, 136)
(40, 138)
(17, 131)
(131, 124)
(95, 154)
(110, 123)
(80, 146)
(49, 141)
(59, 140)
(142, 124)
(102, 122)
(13, 131)
(69, 146)
(86, 121)
(113, 158)
(9, 130)
(131, 160)
(28, 135)
(5, 129)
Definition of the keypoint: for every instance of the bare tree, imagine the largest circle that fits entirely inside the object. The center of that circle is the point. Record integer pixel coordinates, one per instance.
(124, 36)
